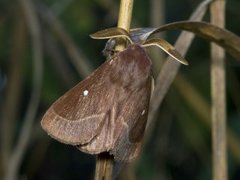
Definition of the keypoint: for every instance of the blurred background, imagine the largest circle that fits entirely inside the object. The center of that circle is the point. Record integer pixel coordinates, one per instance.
(45, 49)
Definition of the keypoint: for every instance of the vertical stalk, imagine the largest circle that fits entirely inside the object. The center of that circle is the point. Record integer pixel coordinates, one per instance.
(104, 166)
(124, 18)
(104, 162)
(218, 93)
(125, 14)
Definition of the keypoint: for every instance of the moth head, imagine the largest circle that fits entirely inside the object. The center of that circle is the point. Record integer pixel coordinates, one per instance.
(115, 36)
(136, 36)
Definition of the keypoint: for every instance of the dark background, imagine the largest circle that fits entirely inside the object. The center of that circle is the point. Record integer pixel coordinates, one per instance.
(179, 146)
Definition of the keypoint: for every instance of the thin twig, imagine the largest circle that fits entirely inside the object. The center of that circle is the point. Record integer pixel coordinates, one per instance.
(104, 164)
(218, 94)
(20, 148)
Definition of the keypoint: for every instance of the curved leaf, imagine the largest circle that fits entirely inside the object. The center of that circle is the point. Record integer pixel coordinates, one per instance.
(168, 48)
(110, 33)
(224, 38)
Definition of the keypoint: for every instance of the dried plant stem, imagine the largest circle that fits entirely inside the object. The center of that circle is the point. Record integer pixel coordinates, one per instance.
(125, 14)
(124, 18)
(218, 92)
(104, 163)
(104, 166)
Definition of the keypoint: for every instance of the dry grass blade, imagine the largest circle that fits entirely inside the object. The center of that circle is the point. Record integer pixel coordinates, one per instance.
(218, 90)
(224, 38)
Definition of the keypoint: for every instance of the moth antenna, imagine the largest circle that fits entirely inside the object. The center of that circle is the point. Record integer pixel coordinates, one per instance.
(167, 47)
(110, 33)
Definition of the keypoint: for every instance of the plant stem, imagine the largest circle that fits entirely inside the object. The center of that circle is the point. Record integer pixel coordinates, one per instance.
(125, 14)
(104, 162)
(218, 92)
(124, 18)
(104, 166)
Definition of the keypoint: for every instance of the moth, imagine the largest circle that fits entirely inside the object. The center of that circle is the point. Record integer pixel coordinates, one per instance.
(107, 111)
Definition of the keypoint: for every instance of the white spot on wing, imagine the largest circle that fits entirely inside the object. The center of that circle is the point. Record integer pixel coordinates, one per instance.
(143, 112)
(85, 92)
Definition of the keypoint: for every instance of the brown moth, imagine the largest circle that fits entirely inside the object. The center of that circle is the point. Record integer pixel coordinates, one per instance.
(107, 112)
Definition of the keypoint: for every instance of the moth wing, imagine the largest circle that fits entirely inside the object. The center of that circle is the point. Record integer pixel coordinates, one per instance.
(78, 116)
(135, 114)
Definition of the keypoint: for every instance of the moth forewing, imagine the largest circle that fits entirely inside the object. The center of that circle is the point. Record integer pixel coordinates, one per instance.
(79, 115)
(107, 111)
(130, 88)
(129, 143)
